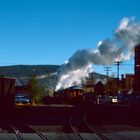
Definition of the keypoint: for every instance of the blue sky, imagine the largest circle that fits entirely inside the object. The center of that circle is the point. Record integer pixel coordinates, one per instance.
(50, 31)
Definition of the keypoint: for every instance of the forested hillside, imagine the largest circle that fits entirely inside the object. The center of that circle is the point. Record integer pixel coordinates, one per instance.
(46, 74)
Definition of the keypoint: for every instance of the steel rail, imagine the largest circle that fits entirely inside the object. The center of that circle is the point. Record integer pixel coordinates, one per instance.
(17, 132)
(40, 134)
(97, 132)
(75, 130)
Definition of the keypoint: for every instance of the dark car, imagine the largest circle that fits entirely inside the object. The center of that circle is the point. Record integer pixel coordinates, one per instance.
(123, 98)
(22, 98)
(104, 99)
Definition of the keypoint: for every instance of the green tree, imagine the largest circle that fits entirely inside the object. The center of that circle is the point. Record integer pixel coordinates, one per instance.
(35, 91)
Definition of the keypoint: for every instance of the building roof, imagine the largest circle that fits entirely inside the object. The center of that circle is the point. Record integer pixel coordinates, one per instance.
(75, 88)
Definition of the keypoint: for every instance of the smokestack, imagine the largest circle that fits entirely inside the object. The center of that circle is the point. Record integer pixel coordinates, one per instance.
(120, 48)
(137, 70)
(122, 76)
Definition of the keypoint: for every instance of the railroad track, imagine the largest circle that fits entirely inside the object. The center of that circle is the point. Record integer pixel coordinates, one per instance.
(78, 126)
(98, 133)
(75, 130)
(84, 127)
(25, 132)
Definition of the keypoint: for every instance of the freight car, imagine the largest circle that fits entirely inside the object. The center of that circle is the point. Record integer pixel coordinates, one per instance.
(7, 96)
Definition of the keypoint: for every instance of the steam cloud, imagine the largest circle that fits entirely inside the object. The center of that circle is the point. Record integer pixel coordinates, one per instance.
(121, 48)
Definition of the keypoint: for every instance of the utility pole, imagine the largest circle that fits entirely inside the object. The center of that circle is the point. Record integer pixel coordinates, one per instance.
(107, 69)
(118, 67)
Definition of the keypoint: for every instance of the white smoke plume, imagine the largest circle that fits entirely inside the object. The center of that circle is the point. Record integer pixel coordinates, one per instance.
(121, 47)
(76, 76)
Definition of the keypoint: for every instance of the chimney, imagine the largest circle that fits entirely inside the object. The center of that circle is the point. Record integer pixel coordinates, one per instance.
(137, 70)
(122, 76)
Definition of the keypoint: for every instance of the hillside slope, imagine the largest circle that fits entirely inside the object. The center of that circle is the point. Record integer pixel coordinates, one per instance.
(46, 74)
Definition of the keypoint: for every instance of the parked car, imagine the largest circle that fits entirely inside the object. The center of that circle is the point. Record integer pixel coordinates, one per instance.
(123, 98)
(22, 98)
(103, 99)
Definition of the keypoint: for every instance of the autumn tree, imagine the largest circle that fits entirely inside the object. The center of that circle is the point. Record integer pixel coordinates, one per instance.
(112, 86)
(99, 88)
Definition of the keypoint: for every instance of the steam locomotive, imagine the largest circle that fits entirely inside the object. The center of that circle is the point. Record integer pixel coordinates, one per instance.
(75, 95)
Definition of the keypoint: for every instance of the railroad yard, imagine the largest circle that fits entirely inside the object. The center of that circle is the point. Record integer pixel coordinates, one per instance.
(68, 122)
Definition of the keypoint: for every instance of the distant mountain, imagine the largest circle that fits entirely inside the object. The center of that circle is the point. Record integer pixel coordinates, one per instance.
(27, 70)
(46, 74)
